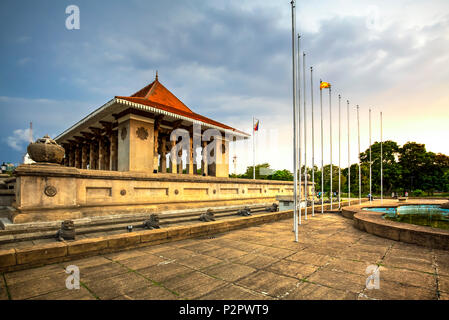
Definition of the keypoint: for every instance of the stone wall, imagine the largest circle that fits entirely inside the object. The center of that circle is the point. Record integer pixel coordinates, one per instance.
(52, 192)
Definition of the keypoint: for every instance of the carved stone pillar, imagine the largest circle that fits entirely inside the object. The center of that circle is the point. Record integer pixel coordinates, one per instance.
(72, 156)
(101, 153)
(189, 166)
(173, 156)
(180, 161)
(107, 153)
(92, 155)
(163, 155)
(77, 157)
(156, 145)
(113, 151)
(204, 163)
(195, 165)
(84, 156)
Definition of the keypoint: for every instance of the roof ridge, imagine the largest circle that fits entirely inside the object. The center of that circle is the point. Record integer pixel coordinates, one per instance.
(143, 89)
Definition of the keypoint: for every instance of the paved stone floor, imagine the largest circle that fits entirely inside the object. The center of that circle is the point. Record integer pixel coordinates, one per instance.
(260, 262)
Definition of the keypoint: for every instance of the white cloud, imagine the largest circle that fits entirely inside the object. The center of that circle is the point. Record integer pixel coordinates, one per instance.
(19, 139)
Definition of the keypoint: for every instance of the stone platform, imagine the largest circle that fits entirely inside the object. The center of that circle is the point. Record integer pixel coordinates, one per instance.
(52, 192)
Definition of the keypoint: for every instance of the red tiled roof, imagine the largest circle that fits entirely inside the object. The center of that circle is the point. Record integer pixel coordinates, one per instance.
(157, 96)
(156, 92)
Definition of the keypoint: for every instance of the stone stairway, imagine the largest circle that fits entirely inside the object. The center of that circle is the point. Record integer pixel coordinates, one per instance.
(118, 223)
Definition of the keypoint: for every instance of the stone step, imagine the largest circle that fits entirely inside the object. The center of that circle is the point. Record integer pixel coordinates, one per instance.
(8, 236)
(11, 228)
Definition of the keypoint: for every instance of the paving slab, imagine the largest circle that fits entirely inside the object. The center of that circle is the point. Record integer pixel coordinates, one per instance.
(234, 292)
(254, 260)
(112, 287)
(293, 269)
(397, 291)
(153, 292)
(269, 283)
(339, 280)
(193, 285)
(164, 271)
(311, 291)
(229, 271)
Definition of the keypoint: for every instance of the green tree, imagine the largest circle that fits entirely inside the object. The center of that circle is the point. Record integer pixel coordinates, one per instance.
(283, 175)
(391, 167)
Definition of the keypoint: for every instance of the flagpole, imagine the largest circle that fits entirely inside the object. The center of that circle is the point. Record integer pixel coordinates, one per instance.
(295, 207)
(299, 130)
(349, 158)
(306, 189)
(339, 151)
(381, 163)
(313, 145)
(360, 169)
(370, 185)
(330, 135)
(322, 154)
(254, 152)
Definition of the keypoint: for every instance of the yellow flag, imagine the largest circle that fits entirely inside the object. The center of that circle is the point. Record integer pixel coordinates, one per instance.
(324, 85)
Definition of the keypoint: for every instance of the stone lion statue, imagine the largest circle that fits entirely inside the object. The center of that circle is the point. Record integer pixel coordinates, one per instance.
(67, 231)
(152, 223)
(207, 216)
(245, 212)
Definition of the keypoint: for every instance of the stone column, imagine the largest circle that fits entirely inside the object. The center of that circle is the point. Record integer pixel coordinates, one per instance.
(173, 155)
(195, 165)
(101, 154)
(190, 156)
(113, 151)
(84, 156)
(180, 161)
(163, 155)
(92, 156)
(204, 163)
(72, 156)
(77, 157)
(107, 153)
(156, 146)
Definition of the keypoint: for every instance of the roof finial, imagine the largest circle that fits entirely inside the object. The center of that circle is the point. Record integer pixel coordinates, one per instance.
(156, 76)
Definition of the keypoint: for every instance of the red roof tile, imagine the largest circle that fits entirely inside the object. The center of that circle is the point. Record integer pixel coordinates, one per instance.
(157, 96)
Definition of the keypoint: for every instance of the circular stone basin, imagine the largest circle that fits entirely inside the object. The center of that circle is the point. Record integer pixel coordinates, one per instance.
(422, 215)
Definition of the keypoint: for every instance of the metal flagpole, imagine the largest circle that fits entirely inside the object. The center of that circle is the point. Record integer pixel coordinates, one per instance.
(349, 158)
(313, 144)
(295, 207)
(330, 135)
(305, 132)
(360, 169)
(339, 151)
(254, 153)
(322, 156)
(299, 129)
(381, 163)
(370, 185)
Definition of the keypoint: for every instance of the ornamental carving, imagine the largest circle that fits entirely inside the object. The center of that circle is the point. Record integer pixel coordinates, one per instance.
(123, 133)
(142, 133)
(50, 191)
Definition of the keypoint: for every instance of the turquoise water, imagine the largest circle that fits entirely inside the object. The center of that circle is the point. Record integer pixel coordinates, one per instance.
(423, 215)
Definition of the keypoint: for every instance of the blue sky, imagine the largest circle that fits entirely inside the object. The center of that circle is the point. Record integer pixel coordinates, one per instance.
(228, 60)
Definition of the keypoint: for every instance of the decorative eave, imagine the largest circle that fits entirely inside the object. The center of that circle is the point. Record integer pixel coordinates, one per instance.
(118, 103)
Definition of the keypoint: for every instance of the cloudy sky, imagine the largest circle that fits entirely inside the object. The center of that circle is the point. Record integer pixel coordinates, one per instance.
(230, 61)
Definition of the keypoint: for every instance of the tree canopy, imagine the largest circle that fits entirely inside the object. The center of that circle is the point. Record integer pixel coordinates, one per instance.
(407, 168)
